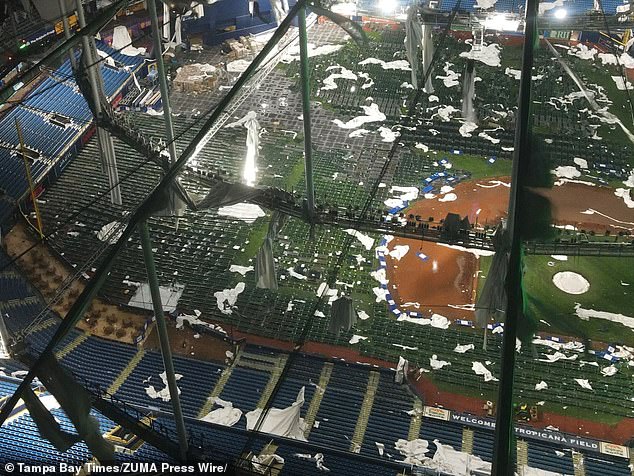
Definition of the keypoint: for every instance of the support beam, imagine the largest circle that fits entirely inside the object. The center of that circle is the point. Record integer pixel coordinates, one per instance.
(64, 14)
(165, 101)
(109, 161)
(503, 463)
(161, 328)
(305, 79)
(173, 207)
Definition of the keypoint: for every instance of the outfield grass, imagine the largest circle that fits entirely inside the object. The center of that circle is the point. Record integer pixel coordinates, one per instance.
(484, 263)
(478, 166)
(602, 75)
(606, 293)
(256, 238)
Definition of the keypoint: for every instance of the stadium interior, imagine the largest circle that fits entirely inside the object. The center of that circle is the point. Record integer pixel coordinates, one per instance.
(297, 237)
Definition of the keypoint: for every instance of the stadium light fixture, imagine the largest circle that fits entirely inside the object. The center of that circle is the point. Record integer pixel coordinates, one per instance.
(501, 22)
(561, 13)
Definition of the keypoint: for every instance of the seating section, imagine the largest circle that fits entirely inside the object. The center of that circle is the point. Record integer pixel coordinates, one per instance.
(87, 360)
(606, 465)
(483, 444)
(446, 433)
(48, 139)
(52, 117)
(21, 440)
(544, 456)
(197, 381)
(61, 97)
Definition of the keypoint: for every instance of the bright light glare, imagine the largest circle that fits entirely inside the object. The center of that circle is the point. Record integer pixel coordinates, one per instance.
(250, 168)
(560, 13)
(387, 6)
(346, 9)
(500, 22)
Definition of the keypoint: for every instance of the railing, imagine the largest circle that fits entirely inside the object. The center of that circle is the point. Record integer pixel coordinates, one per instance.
(581, 249)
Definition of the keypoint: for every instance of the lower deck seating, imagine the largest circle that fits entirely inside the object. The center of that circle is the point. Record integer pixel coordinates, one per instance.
(543, 456)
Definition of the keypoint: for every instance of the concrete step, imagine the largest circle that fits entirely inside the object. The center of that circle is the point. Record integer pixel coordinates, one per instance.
(522, 453)
(415, 423)
(467, 440)
(125, 373)
(313, 408)
(578, 464)
(275, 376)
(364, 413)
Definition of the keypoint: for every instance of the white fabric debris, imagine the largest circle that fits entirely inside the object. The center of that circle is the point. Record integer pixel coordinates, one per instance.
(582, 163)
(164, 393)
(626, 195)
(380, 294)
(621, 85)
(580, 50)
(467, 128)
(541, 386)
(450, 197)
(445, 112)
(439, 322)
(227, 298)
(609, 371)
(584, 383)
(449, 461)
(356, 338)
(513, 73)
(318, 459)
(557, 356)
(476, 251)
(359, 133)
(371, 114)
(286, 422)
(247, 212)
(480, 369)
(396, 64)
(399, 251)
(380, 448)
(365, 240)
(329, 82)
(424, 148)
(225, 415)
(195, 320)
(413, 450)
(586, 314)
(294, 274)
(387, 134)
(451, 77)
(235, 268)
(437, 364)
(567, 171)
(461, 349)
(487, 54)
(362, 315)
